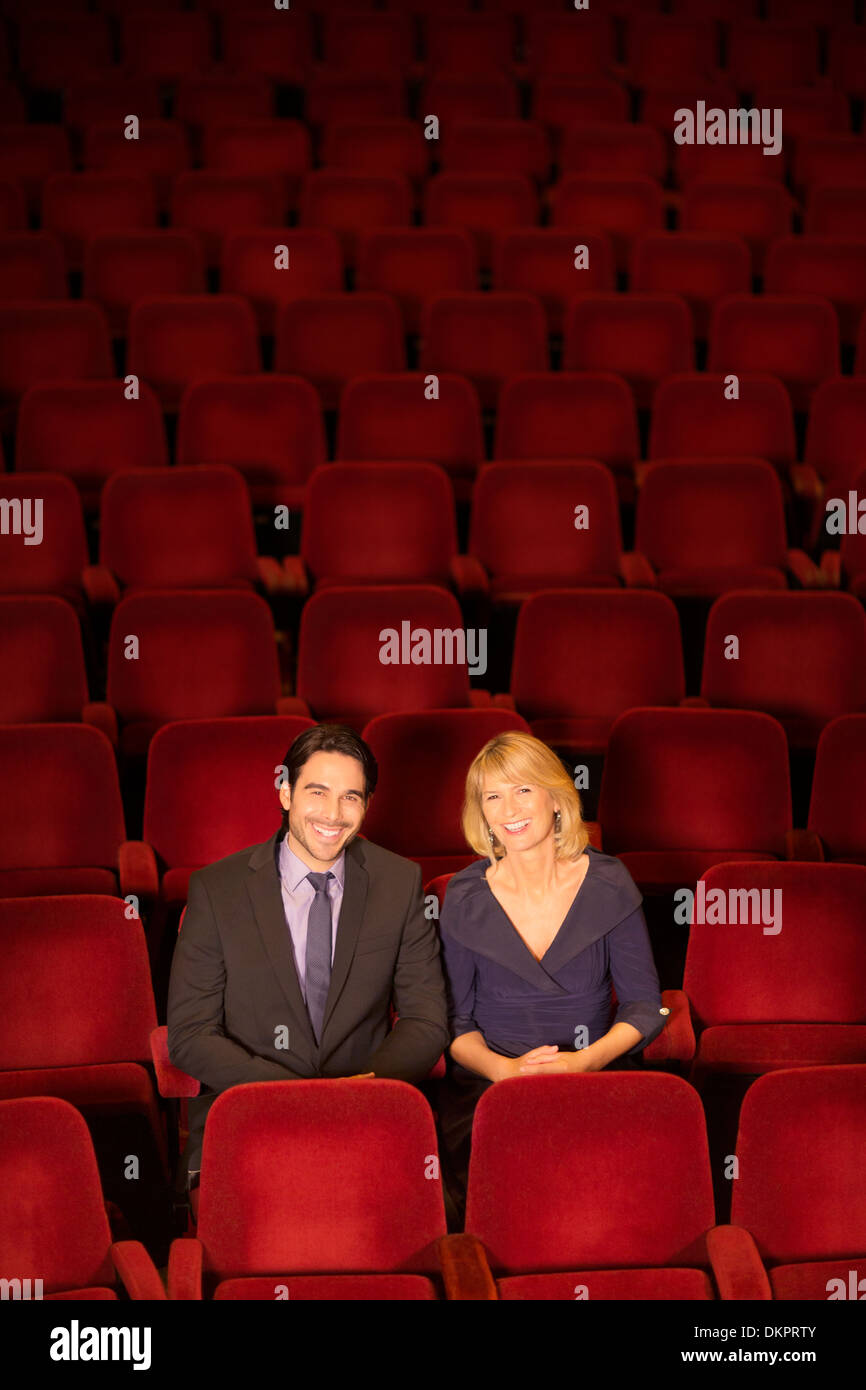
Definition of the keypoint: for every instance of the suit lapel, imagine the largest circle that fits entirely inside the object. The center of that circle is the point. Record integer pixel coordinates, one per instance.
(263, 885)
(355, 885)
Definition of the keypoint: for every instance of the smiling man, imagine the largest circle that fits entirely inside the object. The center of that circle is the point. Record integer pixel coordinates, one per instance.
(292, 952)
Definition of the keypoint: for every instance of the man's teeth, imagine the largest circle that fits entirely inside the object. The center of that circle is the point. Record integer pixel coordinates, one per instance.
(324, 830)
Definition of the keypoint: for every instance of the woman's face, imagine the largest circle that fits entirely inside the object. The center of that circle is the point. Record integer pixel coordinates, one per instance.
(519, 813)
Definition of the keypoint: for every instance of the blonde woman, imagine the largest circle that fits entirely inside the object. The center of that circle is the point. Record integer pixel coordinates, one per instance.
(536, 935)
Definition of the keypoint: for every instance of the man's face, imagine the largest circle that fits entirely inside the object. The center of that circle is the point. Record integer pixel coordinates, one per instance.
(325, 808)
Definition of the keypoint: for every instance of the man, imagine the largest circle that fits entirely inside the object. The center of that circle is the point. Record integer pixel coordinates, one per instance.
(291, 952)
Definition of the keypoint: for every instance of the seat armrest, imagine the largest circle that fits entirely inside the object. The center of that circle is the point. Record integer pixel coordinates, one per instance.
(136, 864)
(101, 716)
(293, 704)
(804, 846)
(185, 1261)
(804, 570)
(831, 569)
(172, 1083)
(137, 1271)
(636, 571)
(737, 1267)
(465, 1270)
(295, 578)
(272, 575)
(468, 576)
(100, 586)
(676, 1041)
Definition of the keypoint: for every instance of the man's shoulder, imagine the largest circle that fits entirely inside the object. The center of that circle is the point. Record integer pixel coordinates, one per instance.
(382, 862)
(231, 866)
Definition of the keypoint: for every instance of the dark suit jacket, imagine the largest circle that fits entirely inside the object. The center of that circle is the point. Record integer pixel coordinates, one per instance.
(234, 986)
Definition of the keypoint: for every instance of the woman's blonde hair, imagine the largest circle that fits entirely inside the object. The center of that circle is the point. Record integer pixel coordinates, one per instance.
(517, 758)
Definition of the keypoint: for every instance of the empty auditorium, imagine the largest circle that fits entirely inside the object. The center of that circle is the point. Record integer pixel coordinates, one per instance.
(433, 522)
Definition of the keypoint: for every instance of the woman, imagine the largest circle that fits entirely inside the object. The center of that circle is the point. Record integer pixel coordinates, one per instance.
(535, 936)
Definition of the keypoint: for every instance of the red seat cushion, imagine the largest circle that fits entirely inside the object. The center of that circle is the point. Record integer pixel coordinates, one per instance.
(666, 870)
(330, 1287)
(760, 1047)
(710, 582)
(610, 1284)
(48, 881)
(810, 1280)
(83, 1295)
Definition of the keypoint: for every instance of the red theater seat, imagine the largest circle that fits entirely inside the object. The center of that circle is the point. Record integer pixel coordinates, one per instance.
(32, 266)
(254, 265)
(57, 563)
(77, 206)
(469, 43)
(624, 208)
(757, 212)
(760, 52)
(121, 267)
(82, 962)
(837, 817)
(486, 97)
(85, 851)
(772, 976)
(267, 427)
(47, 1165)
(179, 528)
(688, 788)
(180, 43)
(366, 43)
(660, 48)
(642, 337)
(161, 152)
(565, 517)
(351, 204)
(175, 340)
(395, 417)
(340, 96)
(700, 268)
(847, 566)
(560, 99)
(695, 417)
(261, 42)
(559, 44)
(43, 341)
(49, 49)
(796, 337)
(181, 759)
(800, 1193)
(619, 149)
(629, 1222)
(277, 148)
(395, 146)
(431, 749)
(341, 678)
(91, 430)
(203, 101)
(40, 642)
(107, 98)
(213, 204)
(486, 337)
(582, 659)
(554, 265)
(836, 432)
(276, 1158)
(829, 160)
(801, 658)
(830, 266)
(29, 154)
(708, 527)
(568, 415)
(378, 523)
(201, 654)
(416, 264)
(828, 208)
(331, 338)
(13, 210)
(496, 147)
(484, 203)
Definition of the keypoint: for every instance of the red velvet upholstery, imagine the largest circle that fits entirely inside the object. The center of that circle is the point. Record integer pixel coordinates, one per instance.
(257, 41)
(53, 842)
(560, 100)
(78, 43)
(661, 48)
(41, 340)
(830, 266)
(469, 43)
(432, 750)
(796, 337)
(32, 264)
(698, 266)
(830, 207)
(40, 641)
(395, 146)
(75, 206)
(483, 202)
(642, 337)
(340, 675)
(331, 338)
(621, 149)
(774, 52)
(180, 44)
(30, 153)
(852, 559)
(80, 962)
(707, 527)
(487, 96)
(121, 267)
(567, 415)
(625, 1211)
(339, 96)
(56, 564)
(837, 813)
(487, 337)
(685, 789)
(340, 1288)
(763, 998)
(379, 523)
(388, 417)
(413, 264)
(500, 147)
(800, 1191)
(835, 159)
(179, 528)
(692, 418)
(214, 97)
(260, 145)
(162, 150)
(758, 211)
(352, 203)
(537, 502)
(554, 44)
(581, 659)
(541, 261)
(802, 658)
(53, 1224)
(625, 208)
(175, 339)
(835, 433)
(244, 754)
(202, 654)
(315, 266)
(314, 1178)
(212, 204)
(268, 427)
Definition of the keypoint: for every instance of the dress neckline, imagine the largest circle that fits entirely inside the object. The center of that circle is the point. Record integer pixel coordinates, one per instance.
(539, 960)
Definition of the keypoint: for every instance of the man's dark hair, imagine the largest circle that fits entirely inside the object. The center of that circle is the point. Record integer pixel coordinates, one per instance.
(330, 738)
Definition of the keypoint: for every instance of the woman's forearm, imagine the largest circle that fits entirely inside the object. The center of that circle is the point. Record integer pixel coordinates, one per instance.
(621, 1038)
(472, 1052)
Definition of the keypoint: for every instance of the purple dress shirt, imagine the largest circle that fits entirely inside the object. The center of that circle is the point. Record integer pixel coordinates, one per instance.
(298, 893)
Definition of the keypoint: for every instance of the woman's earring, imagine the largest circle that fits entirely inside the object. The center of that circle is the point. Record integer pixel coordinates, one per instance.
(491, 837)
(557, 822)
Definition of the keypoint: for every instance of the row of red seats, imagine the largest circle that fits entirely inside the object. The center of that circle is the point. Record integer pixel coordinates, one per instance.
(269, 427)
(655, 46)
(703, 528)
(581, 658)
(276, 1237)
(175, 340)
(682, 790)
(413, 266)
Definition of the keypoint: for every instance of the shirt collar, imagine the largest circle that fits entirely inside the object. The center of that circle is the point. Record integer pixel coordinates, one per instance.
(293, 870)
